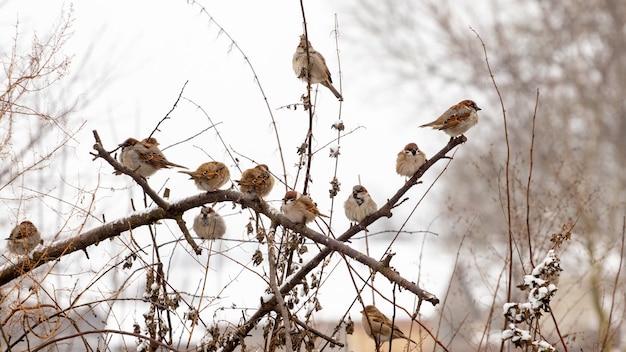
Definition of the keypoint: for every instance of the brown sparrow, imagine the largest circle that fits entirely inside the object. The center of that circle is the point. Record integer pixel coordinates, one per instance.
(144, 157)
(409, 160)
(456, 120)
(359, 204)
(299, 208)
(209, 176)
(257, 180)
(317, 71)
(378, 326)
(209, 225)
(24, 238)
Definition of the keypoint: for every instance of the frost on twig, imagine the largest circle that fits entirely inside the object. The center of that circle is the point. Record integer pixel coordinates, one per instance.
(542, 288)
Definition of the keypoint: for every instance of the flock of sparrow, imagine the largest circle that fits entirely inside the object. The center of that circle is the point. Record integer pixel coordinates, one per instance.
(145, 158)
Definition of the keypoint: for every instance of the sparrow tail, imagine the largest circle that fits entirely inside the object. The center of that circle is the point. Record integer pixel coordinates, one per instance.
(332, 89)
(169, 163)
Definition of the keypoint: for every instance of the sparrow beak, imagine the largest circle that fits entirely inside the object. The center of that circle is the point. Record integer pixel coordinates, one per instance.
(477, 108)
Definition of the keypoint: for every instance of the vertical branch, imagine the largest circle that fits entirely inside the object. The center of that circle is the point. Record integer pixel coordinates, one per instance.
(507, 165)
(336, 32)
(309, 138)
(162, 282)
(271, 258)
(606, 333)
(507, 171)
(556, 327)
(530, 175)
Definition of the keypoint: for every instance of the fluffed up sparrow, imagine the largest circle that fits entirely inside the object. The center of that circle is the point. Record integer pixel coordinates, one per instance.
(209, 176)
(359, 204)
(24, 238)
(209, 225)
(145, 157)
(299, 208)
(257, 180)
(456, 120)
(317, 70)
(409, 160)
(378, 326)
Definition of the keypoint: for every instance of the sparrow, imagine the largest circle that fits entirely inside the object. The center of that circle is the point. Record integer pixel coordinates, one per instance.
(24, 238)
(209, 225)
(209, 176)
(144, 157)
(409, 160)
(316, 71)
(456, 120)
(299, 208)
(378, 326)
(359, 204)
(257, 180)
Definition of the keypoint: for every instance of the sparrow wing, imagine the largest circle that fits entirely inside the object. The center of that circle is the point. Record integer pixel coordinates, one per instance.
(311, 206)
(323, 62)
(385, 325)
(193, 174)
(213, 170)
(23, 231)
(248, 178)
(455, 115)
(260, 179)
(157, 160)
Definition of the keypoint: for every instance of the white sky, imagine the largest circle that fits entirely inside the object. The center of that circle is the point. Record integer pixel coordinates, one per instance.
(131, 59)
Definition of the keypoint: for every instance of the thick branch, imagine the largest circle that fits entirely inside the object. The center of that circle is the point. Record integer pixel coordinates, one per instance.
(94, 236)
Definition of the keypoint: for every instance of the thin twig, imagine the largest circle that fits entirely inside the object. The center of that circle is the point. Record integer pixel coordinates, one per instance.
(183, 229)
(615, 287)
(556, 327)
(307, 174)
(507, 171)
(530, 176)
(317, 332)
(56, 341)
(219, 135)
(234, 44)
(167, 116)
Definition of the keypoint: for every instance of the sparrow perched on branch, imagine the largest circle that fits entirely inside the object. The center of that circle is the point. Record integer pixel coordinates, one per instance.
(409, 160)
(316, 71)
(359, 204)
(209, 176)
(299, 208)
(145, 157)
(456, 120)
(24, 238)
(209, 225)
(378, 326)
(257, 180)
